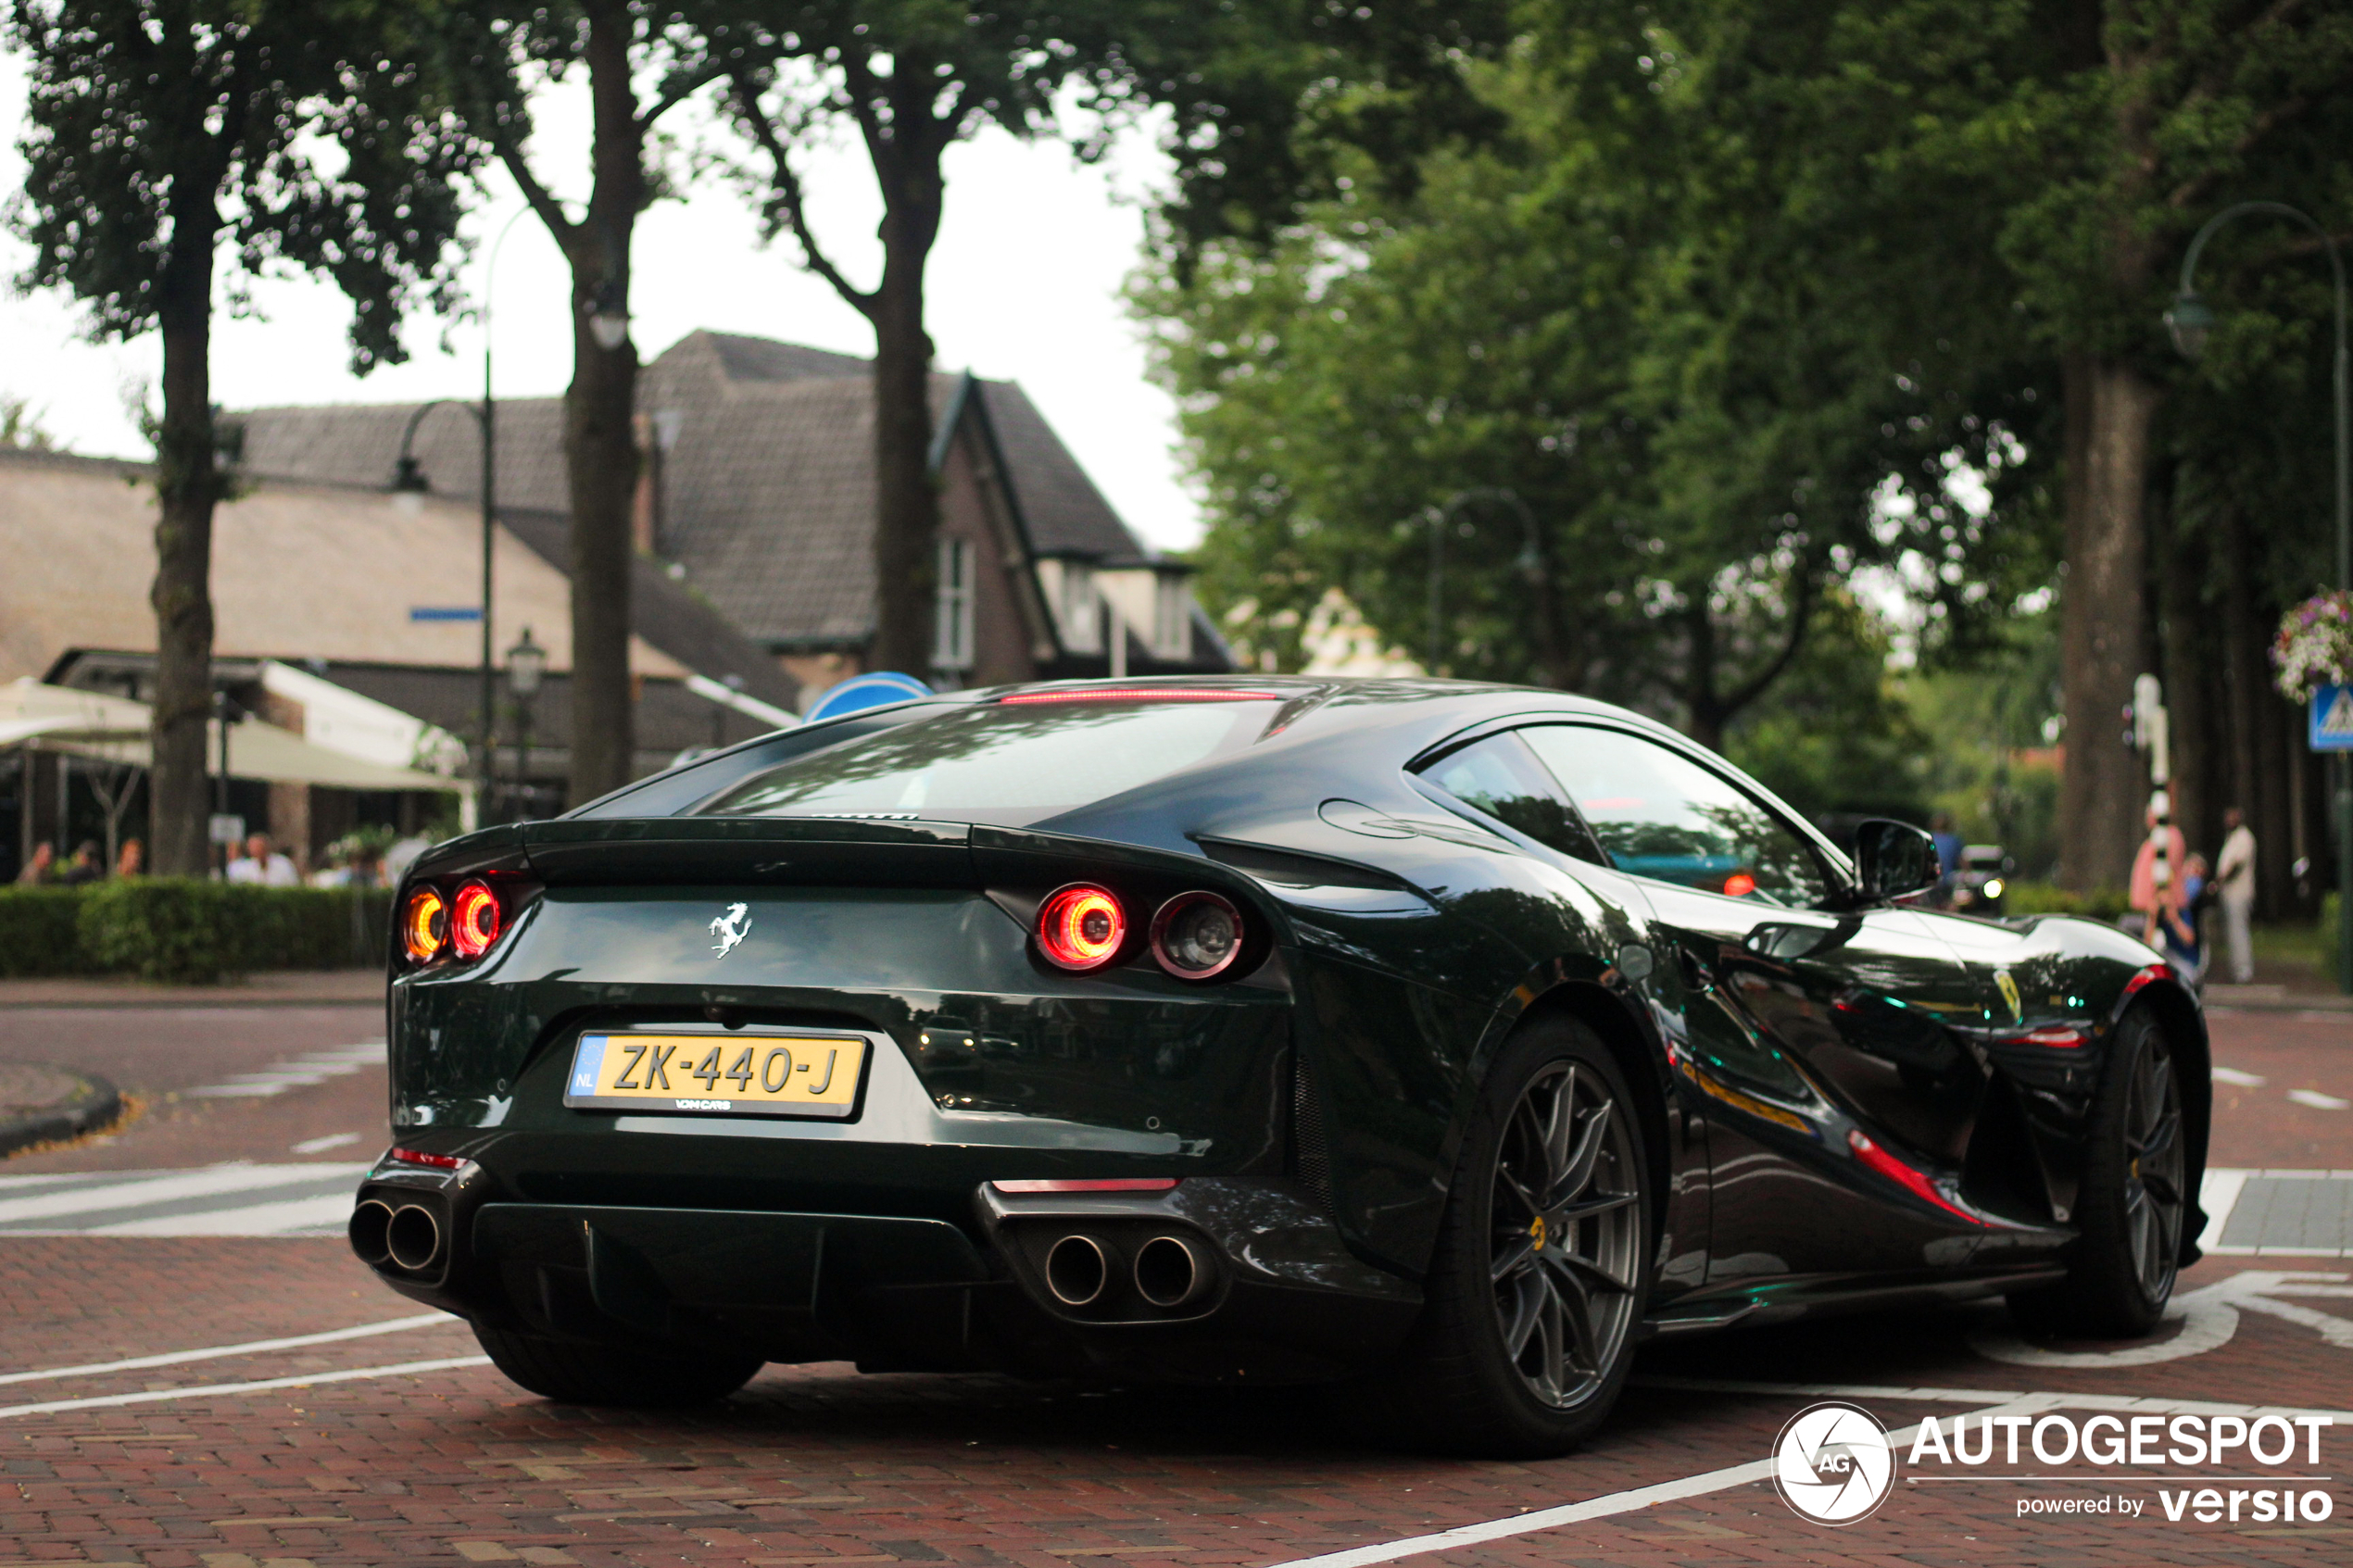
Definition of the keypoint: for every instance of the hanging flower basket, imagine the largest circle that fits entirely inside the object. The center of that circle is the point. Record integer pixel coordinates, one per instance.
(2315, 646)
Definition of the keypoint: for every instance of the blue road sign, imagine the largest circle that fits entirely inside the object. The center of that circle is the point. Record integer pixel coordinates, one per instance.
(877, 689)
(445, 612)
(2333, 719)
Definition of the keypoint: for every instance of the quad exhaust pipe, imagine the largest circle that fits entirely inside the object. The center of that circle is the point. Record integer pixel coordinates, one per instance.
(414, 1237)
(370, 1222)
(1168, 1272)
(1077, 1270)
(1171, 1272)
(407, 1237)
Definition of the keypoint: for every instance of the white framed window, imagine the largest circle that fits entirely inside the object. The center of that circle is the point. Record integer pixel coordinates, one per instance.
(951, 648)
(1172, 617)
(1068, 588)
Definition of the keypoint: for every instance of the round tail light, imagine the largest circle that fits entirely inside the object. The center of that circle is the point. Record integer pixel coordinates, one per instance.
(1197, 936)
(424, 925)
(473, 919)
(1081, 927)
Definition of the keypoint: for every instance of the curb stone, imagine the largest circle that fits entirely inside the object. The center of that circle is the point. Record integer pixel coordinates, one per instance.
(89, 1104)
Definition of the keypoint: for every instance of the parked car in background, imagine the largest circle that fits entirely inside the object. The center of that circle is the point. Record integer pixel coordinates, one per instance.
(1981, 878)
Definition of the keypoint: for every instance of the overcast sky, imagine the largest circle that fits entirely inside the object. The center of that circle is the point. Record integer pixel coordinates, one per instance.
(1024, 285)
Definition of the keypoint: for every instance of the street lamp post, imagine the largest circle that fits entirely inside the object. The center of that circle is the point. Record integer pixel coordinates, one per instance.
(1531, 561)
(2189, 321)
(526, 663)
(409, 483)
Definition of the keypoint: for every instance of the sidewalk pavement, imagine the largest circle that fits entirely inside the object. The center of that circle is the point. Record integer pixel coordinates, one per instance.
(274, 988)
(2262, 998)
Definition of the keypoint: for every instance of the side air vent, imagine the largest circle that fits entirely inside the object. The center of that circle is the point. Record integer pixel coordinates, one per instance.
(1285, 869)
(1311, 1155)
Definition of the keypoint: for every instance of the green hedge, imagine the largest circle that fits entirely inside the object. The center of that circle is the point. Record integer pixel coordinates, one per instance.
(38, 931)
(2044, 899)
(187, 931)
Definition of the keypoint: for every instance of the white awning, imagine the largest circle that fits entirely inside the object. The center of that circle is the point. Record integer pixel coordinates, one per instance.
(114, 729)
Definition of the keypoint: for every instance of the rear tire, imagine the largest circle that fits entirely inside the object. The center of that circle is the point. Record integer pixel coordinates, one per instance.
(2132, 1203)
(1542, 1261)
(596, 1374)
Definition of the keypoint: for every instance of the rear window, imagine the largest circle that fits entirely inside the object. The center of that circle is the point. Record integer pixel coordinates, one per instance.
(1010, 764)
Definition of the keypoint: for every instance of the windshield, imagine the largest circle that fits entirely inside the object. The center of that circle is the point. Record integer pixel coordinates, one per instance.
(1010, 764)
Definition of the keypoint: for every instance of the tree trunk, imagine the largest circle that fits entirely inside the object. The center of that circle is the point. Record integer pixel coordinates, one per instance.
(1706, 709)
(906, 502)
(2245, 693)
(2104, 789)
(600, 446)
(2184, 657)
(601, 452)
(187, 484)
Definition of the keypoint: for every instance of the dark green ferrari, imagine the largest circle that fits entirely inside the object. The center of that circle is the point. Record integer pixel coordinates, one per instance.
(1448, 1039)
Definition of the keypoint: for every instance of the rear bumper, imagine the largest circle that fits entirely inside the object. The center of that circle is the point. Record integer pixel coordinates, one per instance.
(1281, 1300)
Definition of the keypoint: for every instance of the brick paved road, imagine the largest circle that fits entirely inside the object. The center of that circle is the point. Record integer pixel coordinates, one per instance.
(817, 1465)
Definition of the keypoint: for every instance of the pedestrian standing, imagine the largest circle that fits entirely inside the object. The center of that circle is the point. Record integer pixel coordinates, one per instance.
(133, 859)
(2157, 866)
(84, 868)
(37, 871)
(2235, 872)
(2181, 933)
(263, 866)
(1947, 836)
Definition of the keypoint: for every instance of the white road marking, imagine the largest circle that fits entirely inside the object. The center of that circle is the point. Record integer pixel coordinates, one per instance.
(249, 1347)
(2318, 1100)
(169, 1187)
(1595, 1508)
(330, 1212)
(2209, 1320)
(2232, 1075)
(1990, 1402)
(2218, 1194)
(203, 1390)
(2119, 1403)
(301, 1072)
(321, 1146)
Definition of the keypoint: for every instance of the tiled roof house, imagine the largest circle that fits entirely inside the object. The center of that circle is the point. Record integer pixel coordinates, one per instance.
(759, 496)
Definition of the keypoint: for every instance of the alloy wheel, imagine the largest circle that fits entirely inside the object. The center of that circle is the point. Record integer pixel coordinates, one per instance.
(2153, 1181)
(1566, 1210)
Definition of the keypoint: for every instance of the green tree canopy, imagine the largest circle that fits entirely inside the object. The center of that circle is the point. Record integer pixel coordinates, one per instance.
(167, 136)
(1670, 308)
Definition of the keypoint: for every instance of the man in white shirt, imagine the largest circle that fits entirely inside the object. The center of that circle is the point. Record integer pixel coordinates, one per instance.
(2234, 872)
(263, 867)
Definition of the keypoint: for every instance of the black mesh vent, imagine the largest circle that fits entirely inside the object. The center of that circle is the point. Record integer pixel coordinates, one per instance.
(1310, 1154)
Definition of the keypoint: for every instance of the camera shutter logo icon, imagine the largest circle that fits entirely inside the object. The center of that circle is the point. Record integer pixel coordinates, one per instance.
(1834, 1465)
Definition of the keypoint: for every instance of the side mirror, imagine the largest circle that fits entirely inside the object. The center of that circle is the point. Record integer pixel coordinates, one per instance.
(1895, 859)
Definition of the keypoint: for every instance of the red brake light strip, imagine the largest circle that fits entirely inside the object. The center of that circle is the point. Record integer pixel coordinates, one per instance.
(1109, 1184)
(418, 1157)
(1139, 694)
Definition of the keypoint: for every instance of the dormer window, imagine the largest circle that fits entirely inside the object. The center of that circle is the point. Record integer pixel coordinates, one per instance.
(951, 651)
(1068, 586)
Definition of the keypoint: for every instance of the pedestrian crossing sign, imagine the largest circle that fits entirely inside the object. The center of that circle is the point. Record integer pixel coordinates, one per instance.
(2333, 719)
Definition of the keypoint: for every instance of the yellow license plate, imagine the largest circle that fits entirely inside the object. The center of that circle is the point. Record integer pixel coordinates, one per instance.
(718, 1075)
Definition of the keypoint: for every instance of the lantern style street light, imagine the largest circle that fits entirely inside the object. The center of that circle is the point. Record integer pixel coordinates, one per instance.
(526, 665)
(409, 487)
(2190, 321)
